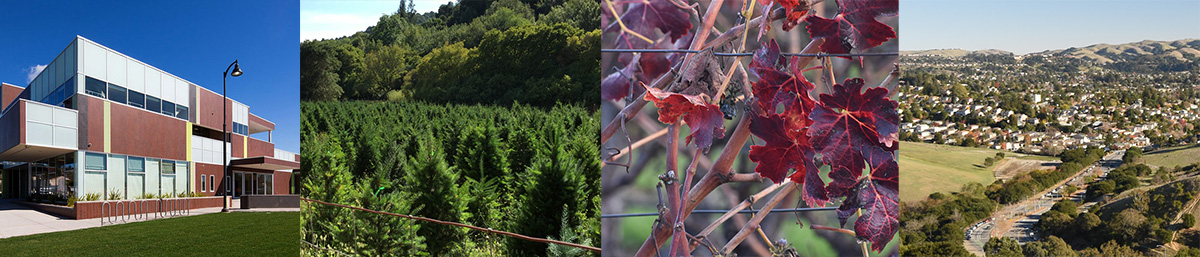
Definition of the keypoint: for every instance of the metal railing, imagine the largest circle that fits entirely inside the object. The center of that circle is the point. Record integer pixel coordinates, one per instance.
(123, 211)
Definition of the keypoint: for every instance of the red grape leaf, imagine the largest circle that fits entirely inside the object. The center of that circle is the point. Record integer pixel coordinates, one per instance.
(848, 124)
(787, 143)
(616, 84)
(645, 16)
(795, 10)
(787, 148)
(703, 118)
(777, 87)
(879, 197)
(647, 67)
(855, 26)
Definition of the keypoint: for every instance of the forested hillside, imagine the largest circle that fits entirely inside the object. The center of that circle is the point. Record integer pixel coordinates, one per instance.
(521, 169)
(536, 52)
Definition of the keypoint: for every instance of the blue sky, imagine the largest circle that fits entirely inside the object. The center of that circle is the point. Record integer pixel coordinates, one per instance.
(1024, 26)
(194, 40)
(323, 19)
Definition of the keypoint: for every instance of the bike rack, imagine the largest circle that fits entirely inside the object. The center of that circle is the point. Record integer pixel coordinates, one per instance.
(123, 211)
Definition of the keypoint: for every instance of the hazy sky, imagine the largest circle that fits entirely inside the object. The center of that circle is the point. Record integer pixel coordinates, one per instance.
(321, 19)
(1032, 26)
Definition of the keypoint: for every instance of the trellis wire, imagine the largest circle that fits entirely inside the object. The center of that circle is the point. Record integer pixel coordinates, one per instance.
(520, 236)
(628, 215)
(742, 54)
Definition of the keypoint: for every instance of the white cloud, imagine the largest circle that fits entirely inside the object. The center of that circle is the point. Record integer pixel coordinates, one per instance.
(32, 72)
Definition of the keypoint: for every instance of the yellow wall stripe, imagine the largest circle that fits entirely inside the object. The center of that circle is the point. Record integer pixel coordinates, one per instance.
(107, 126)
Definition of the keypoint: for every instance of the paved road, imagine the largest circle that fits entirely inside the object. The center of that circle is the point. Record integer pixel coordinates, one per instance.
(1018, 221)
(977, 236)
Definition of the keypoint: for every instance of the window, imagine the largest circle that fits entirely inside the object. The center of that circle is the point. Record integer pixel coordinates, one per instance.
(117, 93)
(168, 108)
(153, 104)
(167, 167)
(202, 181)
(181, 112)
(137, 99)
(95, 161)
(136, 165)
(212, 183)
(96, 87)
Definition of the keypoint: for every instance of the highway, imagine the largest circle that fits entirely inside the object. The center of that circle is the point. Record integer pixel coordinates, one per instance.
(1018, 221)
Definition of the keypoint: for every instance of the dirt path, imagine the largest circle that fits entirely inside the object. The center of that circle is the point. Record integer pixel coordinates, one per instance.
(1013, 166)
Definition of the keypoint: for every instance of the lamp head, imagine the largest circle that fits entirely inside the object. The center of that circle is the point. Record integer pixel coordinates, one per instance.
(237, 71)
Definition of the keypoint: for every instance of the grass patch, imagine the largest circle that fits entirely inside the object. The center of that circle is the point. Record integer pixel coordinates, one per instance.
(927, 168)
(1171, 157)
(228, 234)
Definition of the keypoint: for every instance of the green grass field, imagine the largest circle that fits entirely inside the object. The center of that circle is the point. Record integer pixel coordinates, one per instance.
(927, 168)
(1171, 157)
(229, 234)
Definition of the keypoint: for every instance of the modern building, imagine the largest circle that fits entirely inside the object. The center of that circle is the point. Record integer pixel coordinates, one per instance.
(96, 121)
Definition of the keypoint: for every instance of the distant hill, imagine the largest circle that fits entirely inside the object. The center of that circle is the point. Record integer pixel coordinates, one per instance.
(1182, 50)
(952, 52)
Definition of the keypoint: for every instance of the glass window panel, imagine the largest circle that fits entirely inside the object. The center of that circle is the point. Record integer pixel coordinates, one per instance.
(96, 87)
(181, 112)
(153, 104)
(95, 161)
(136, 164)
(168, 108)
(116, 93)
(167, 167)
(202, 181)
(137, 99)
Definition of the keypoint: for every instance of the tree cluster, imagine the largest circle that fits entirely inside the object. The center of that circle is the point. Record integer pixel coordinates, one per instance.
(489, 51)
(483, 166)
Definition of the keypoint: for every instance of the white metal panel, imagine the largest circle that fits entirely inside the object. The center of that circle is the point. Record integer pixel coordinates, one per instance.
(66, 137)
(39, 133)
(65, 118)
(168, 88)
(95, 61)
(116, 174)
(182, 174)
(116, 69)
(39, 113)
(93, 183)
(137, 77)
(181, 93)
(153, 83)
(152, 177)
(136, 186)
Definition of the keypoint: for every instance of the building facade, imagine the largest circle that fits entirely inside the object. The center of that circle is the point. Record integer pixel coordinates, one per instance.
(96, 121)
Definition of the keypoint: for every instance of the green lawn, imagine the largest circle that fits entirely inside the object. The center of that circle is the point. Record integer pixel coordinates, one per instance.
(1171, 157)
(220, 234)
(927, 168)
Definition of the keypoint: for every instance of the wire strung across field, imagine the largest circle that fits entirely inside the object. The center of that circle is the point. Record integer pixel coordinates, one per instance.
(628, 215)
(742, 54)
(529, 238)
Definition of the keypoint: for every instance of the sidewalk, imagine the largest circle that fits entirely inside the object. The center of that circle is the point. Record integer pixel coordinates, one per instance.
(18, 220)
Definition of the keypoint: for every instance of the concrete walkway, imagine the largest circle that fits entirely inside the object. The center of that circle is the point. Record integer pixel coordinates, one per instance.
(19, 220)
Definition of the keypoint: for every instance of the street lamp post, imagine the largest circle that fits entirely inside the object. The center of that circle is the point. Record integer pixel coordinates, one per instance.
(237, 71)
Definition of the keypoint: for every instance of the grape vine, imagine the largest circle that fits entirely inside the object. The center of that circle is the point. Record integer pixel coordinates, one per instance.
(848, 128)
